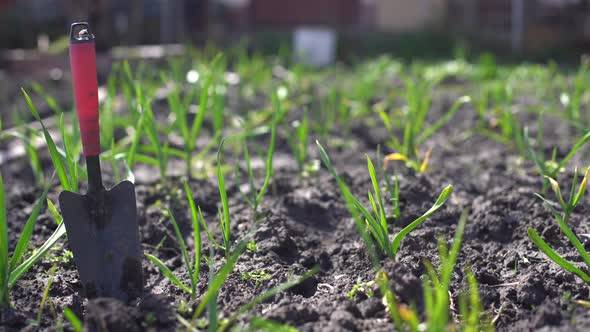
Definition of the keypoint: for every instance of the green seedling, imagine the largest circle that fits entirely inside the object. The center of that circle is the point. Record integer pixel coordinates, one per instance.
(223, 211)
(190, 132)
(252, 247)
(437, 295)
(376, 221)
(562, 218)
(362, 287)
(13, 267)
(219, 99)
(216, 281)
(107, 122)
(549, 168)
(573, 102)
(299, 140)
(253, 196)
(265, 325)
(471, 309)
(257, 277)
(496, 119)
(389, 299)
(46, 294)
(193, 267)
(68, 176)
(330, 106)
(392, 187)
(71, 139)
(208, 300)
(27, 135)
(408, 128)
(481, 104)
(487, 68)
(133, 150)
(437, 283)
(226, 323)
(161, 148)
(75, 322)
(49, 100)
(127, 84)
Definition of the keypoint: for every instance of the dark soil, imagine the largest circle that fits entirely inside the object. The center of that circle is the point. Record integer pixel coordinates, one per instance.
(304, 224)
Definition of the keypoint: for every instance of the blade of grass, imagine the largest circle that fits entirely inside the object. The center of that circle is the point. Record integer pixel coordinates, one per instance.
(219, 279)
(27, 231)
(269, 156)
(196, 234)
(167, 272)
(573, 151)
(443, 120)
(55, 156)
(198, 122)
(568, 232)
(46, 293)
(54, 213)
(206, 229)
(544, 247)
(4, 261)
(68, 153)
(76, 323)
(224, 215)
(180, 239)
(20, 270)
(136, 137)
(265, 296)
(442, 198)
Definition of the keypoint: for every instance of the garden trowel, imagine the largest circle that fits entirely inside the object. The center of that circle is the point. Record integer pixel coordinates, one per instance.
(101, 225)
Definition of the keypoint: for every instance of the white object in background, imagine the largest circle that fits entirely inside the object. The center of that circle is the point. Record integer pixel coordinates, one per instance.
(315, 46)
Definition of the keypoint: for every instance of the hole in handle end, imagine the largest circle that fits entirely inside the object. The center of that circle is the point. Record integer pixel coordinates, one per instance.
(80, 33)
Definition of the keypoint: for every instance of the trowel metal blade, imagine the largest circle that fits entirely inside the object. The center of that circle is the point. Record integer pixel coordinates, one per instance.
(106, 252)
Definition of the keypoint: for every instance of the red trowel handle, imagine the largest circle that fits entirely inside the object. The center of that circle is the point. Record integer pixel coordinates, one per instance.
(83, 63)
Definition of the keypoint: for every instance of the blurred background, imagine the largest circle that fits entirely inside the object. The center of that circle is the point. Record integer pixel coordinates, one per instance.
(427, 27)
(34, 41)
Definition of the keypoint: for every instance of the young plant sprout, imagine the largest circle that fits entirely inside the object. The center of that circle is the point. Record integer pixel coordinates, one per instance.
(471, 308)
(68, 177)
(498, 123)
(437, 295)
(223, 211)
(13, 267)
(254, 197)
(76, 324)
(574, 102)
(190, 132)
(27, 135)
(193, 267)
(562, 218)
(376, 221)
(161, 148)
(298, 140)
(408, 128)
(437, 283)
(549, 168)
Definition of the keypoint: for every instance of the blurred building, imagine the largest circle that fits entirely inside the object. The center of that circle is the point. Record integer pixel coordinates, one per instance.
(522, 24)
(519, 24)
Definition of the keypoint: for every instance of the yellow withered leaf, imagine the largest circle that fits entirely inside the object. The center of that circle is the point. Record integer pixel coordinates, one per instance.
(583, 303)
(555, 187)
(424, 164)
(585, 180)
(393, 157)
(407, 314)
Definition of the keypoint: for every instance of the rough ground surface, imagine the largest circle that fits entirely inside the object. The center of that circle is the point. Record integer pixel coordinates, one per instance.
(304, 223)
